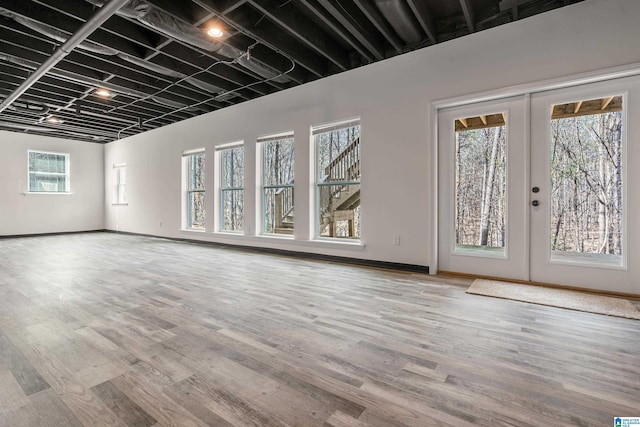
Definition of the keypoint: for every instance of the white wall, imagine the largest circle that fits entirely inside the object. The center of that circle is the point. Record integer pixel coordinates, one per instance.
(22, 213)
(393, 99)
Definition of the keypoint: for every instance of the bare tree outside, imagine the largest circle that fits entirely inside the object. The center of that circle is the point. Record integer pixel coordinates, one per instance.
(278, 182)
(338, 175)
(586, 184)
(196, 191)
(232, 188)
(480, 187)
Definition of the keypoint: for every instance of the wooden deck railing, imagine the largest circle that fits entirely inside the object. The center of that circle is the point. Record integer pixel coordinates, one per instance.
(284, 203)
(345, 167)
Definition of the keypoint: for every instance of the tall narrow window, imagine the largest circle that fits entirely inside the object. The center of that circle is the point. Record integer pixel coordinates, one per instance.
(338, 179)
(195, 176)
(120, 171)
(481, 184)
(277, 183)
(586, 181)
(231, 161)
(48, 172)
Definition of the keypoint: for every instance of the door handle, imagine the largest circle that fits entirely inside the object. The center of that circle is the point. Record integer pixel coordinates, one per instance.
(535, 203)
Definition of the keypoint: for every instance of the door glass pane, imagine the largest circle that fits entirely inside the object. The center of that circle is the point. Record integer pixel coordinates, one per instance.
(480, 184)
(586, 197)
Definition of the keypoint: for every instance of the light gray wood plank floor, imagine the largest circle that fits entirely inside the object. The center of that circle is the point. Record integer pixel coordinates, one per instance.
(107, 329)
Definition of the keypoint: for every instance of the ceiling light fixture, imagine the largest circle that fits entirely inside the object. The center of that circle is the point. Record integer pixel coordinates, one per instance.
(215, 32)
(104, 93)
(54, 120)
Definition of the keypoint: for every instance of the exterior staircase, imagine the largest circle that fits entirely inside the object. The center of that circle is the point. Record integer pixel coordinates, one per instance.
(284, 210)
(337, 202)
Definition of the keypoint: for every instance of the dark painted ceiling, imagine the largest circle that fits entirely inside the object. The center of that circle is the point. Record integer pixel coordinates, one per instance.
(160, 66)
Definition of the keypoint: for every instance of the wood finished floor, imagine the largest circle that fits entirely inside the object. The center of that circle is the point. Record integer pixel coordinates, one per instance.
(106, 329)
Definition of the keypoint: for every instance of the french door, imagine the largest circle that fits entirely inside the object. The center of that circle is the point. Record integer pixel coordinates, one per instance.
(541, 187)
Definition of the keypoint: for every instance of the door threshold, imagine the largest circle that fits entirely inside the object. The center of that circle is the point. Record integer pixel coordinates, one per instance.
(543, 284)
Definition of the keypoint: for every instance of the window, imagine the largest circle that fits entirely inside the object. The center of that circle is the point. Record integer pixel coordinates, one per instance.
(481, 184)
(231, 158)
(277, 183)
(586, 159)
(48, 172)
(195, 175)
(121, 183)
(338, 179)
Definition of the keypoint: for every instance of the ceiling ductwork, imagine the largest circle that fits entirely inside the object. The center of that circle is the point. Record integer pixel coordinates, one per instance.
(155, 18)
(89, 46)
(401, 19)
(29, 108)
(167, 72)
(54, 33)
(57, 56)
(116, 68)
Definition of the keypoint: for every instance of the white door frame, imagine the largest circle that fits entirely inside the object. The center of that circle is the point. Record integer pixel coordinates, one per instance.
(592, 274)
(513, 262)
(627, 70)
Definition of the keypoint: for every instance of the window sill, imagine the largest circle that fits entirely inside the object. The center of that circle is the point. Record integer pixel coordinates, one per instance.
(47, 193)
(229, 233)
(287, 237)
(356, 246)
(242, 239)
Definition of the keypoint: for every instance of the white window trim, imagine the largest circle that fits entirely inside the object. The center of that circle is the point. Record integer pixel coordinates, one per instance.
(260, 141)
(67, 174)
(186, 155)
(314, 131)
(219, 188)
(116, 168)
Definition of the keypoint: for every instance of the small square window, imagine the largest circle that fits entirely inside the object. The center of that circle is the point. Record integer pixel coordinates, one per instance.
(48, 172)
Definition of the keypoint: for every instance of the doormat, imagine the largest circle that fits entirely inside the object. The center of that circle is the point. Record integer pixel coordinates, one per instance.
(562, 298)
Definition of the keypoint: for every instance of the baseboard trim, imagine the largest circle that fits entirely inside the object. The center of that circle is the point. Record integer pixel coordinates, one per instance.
(543, 284)
(412, 268)
(58, 233)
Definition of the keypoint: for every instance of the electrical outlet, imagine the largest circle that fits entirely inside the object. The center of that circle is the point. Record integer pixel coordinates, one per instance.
(396, 240)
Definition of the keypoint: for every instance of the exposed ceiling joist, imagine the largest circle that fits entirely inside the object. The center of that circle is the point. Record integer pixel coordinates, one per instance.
(425, 18)
(304, 30)
(357, 32)
(161, 66)
(334, 26)
(467, 11)
(376, 18)
(85, 30)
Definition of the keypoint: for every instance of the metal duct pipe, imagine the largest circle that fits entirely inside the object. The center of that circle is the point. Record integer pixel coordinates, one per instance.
(87, 28)
(401, 19)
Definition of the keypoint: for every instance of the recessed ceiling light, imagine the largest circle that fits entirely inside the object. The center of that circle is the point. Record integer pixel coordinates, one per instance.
(215, 32)
(103, 93)
(54, 120)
